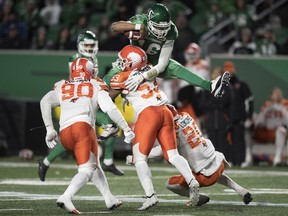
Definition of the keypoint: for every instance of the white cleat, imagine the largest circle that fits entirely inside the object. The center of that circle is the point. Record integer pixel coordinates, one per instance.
(109, 131)
(67, 204)
(115, 204)
(193, 193)
(149, 202)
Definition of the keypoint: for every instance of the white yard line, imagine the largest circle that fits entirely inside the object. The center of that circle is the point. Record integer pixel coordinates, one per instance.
(153, 168)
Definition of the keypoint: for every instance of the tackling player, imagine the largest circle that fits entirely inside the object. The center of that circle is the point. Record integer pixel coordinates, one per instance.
(207, 165)
(157, 36)
(87, 46)
(149, 102)
(79, 98)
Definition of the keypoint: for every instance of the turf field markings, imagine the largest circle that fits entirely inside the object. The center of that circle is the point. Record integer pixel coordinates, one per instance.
(4, 210)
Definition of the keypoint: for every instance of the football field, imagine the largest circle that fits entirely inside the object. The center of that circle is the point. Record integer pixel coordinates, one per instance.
(22, 193)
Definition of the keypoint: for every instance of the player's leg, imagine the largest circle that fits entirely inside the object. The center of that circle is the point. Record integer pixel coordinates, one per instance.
(109, 139)
(176, 70)
(167, 139)
(177, 184)
(243, 192)
(280, 141)
(100, 181)
(43, 164)
(142, 145)
(78, 138)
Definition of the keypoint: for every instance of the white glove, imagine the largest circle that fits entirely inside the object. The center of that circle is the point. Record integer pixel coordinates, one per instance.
(133, 81)
(129, 160)
(129, 136)
(51, 138)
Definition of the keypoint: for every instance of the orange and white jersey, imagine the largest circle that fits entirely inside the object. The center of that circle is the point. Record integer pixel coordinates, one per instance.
(198, 151)
(79, 100)
(272, 115)
(147, 94)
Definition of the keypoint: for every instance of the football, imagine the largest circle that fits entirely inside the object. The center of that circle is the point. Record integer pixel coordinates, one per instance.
(133, 35)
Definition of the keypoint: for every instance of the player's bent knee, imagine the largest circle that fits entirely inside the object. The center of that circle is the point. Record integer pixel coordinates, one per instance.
(88, 169)
(137, 155)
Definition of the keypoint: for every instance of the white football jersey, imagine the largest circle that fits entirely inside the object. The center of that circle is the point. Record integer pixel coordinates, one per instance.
(79, 100)
(273, 116)
(198, 151)
(147, 94)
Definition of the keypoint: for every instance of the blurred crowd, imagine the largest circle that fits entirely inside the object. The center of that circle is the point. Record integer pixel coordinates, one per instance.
(55, 24)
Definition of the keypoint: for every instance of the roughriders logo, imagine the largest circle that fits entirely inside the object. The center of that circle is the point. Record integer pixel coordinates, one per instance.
(151, 15)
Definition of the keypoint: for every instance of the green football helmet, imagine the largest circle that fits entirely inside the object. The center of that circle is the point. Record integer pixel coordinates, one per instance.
(87, 44)
(159, 20)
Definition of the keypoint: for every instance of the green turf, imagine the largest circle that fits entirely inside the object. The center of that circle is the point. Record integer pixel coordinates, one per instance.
(268, 185)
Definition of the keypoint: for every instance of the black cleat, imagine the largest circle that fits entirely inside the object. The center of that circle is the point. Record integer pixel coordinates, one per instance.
(111, 168)
(247, 198)
(219, 84)
(203, 200)
(42, 169)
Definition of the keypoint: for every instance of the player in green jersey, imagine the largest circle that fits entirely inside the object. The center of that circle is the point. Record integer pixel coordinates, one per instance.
(87, 45)
(157, 36)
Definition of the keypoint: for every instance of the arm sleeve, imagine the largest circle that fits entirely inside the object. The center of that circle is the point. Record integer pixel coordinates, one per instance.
(107, 106)
(49, 101)
(249, 101)
(163, 61)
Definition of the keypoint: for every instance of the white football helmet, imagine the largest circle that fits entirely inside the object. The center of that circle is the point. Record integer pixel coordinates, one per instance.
(87, 44)
(82, 69)
(131, 58)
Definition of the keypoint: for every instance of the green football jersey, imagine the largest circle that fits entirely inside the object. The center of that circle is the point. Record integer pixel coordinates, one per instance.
(151, 44)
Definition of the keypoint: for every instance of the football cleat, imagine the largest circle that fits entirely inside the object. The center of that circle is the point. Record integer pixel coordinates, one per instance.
(193, 193)
(203, 199)
(149, 202)
(112, 168)
(67, 204)
(115, 205)
(218, 85)
(42, 169)
(247, 198)
(109, 131)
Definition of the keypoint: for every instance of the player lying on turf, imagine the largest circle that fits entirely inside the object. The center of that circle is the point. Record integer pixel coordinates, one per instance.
(207, 165)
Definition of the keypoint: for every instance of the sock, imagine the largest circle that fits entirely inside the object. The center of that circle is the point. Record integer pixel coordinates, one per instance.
(109, 148)
(56, 152)
(108, 161)
(228, 182)
(100, 181)
(77, 182)
(182, 166)
(145, 177)
(46, 162)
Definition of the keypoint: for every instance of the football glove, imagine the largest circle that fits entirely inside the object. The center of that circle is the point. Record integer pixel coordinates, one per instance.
(133, 81)
(129, 160)
(51, 138)
(129, 136)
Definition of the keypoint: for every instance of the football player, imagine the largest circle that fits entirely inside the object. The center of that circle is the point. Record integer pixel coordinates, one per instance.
(207, 165)
(157, 36)
(79, 98)
(149, 102)
(87, 45)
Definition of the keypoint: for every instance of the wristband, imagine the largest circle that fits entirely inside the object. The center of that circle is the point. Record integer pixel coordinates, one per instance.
(138, 27)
